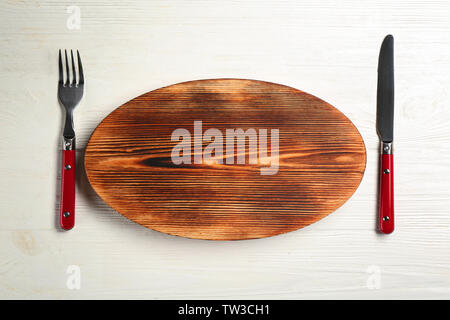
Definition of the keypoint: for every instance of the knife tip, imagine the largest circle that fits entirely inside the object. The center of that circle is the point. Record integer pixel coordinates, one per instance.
(389, 38)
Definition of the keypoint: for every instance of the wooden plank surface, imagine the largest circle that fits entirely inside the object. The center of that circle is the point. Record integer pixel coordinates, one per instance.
(327, 48)
(225, 159)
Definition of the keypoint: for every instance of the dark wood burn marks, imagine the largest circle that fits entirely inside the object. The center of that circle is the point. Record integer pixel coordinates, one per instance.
(321, 161)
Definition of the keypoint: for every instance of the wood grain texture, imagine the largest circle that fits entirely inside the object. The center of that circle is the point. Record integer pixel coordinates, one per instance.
(328, 48)
(322, 158)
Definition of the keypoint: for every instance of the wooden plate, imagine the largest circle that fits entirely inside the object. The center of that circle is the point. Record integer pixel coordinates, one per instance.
(177, 182)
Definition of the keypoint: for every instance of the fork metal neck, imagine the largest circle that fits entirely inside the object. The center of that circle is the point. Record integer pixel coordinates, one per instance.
(69, 133)
(68, 126)
(68, 143)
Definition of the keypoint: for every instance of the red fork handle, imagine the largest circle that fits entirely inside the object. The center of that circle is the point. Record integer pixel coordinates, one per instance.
(386, 209)
(67, 212)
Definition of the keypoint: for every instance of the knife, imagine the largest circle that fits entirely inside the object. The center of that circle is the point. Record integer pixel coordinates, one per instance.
(385, 128)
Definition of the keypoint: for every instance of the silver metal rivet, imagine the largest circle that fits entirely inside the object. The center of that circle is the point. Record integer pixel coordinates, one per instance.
(385, 218)
(66, 214)
(386, 171)
(68, 167)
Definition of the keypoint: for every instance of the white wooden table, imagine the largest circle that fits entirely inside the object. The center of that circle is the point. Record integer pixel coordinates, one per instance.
(327, 48)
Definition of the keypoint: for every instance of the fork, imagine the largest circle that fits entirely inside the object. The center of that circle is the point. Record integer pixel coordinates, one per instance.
(69, 95)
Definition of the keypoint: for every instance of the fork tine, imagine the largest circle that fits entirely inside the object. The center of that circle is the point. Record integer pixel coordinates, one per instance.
(74, 75)
(67, 70)
(80, 70)
(60, 67)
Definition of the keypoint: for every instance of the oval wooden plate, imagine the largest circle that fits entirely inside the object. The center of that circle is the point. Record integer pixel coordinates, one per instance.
(133, 159)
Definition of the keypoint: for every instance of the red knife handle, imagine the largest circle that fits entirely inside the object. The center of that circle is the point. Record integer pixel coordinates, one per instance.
(386, 214)
(67, 212)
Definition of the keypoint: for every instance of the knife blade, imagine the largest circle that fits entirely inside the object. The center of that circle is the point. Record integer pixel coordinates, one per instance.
(385, 128)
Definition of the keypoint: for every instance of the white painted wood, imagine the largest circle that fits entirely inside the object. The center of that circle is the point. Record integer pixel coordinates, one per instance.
(328, 48)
